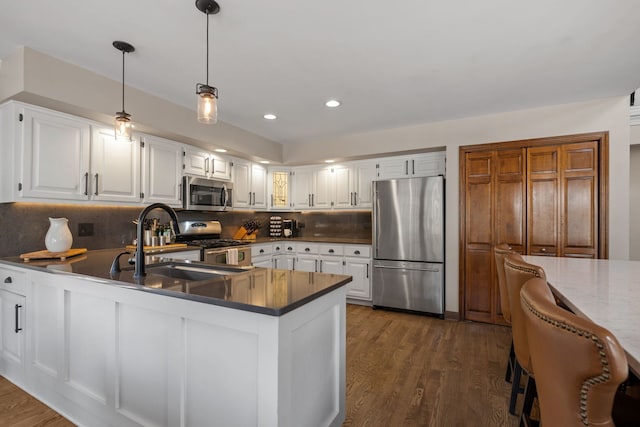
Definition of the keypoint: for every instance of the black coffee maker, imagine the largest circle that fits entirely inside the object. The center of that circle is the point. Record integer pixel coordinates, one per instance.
(289, 227)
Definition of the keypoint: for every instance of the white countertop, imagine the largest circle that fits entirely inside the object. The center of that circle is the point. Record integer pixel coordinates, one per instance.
(604, 291)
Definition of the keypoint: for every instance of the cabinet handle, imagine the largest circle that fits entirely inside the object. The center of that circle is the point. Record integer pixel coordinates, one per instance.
(18, 307)
(277, 248)
(249, 198)
(206, 165)
(413, 167)
(261, 251)
(289, 248)
(316, 267)
(313, 200)
(275, 263)
(309, 200)
(320, 266)
(293, 263)
(367, 270)
(331, 251)
(254, 199)
(356, 252)
(86, 183)
(96, 192)
(180, 192)
(272, 200)
(307, 250)
(406, 167)
(8, 280)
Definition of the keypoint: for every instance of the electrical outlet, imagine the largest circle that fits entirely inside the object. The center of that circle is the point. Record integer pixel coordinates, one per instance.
(85, 229)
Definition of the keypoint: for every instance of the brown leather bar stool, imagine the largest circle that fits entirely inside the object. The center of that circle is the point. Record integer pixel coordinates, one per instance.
(579, 365)
(500, 252)
(517, 272)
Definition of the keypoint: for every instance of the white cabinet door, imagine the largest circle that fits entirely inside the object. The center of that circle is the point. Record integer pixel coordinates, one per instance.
(196, 162)
(115, 167)
(55, 155)
(322, 197)
(365, 174)
(307, 263)
(331, 265)
(360, 286)
(12, 309)
(393, 167)
(262, 261)
(161, 171)
(259, 186)
(302, 188)
(344, 192)
(428, 164)
(242, 184)
(220, 167)
(249, 185)
(279, 189)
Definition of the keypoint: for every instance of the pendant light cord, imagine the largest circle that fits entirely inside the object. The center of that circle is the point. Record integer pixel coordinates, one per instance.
(123, 81)
(207, 15)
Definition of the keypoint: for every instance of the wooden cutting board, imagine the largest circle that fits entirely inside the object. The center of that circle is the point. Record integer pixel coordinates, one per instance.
(52, 255)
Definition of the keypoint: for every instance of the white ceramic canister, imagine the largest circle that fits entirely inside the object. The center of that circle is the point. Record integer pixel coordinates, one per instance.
(58, 238)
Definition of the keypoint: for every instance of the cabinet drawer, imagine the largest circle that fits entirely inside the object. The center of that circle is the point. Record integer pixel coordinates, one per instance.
(259, 250)
(362, 251)
(307, 248)
(284, 247)
(331, 249)
(13, 280)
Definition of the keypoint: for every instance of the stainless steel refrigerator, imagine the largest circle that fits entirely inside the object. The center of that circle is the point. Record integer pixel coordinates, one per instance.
(408, 242)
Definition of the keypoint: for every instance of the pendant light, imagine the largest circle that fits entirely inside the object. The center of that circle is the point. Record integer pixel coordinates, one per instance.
(122, 122)
(207, 95)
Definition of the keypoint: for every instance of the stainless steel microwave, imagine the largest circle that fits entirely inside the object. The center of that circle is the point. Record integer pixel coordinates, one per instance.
(206, 194)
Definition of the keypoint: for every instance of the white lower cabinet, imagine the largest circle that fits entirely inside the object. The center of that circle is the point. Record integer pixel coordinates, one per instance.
(261, 255)
(12, 323)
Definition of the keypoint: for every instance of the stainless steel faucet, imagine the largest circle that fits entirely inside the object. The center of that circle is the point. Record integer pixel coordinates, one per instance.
(139, 272)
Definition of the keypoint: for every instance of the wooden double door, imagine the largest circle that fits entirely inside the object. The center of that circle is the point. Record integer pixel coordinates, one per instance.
(542, 197)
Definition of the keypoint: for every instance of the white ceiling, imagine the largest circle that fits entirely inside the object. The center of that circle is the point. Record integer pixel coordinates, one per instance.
(391, 63)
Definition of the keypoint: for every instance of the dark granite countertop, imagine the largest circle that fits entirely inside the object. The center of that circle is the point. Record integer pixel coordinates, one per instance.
(346, 240)
(260, 290)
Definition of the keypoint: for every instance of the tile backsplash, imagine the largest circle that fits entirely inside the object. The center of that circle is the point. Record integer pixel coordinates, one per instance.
(24, 225)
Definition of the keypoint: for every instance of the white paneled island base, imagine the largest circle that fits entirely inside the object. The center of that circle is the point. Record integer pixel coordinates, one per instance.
(104, 355)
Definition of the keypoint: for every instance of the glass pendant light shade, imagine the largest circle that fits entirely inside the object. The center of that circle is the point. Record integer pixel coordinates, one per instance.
(207, 104)
(122, 124)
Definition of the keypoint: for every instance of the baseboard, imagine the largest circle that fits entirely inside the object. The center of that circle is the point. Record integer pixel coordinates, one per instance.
(451, 315)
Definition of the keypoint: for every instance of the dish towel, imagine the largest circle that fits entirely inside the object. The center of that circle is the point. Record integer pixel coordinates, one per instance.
(232, 256)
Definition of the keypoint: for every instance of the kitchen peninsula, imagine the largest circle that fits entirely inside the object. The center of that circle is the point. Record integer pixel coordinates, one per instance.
(253, 347)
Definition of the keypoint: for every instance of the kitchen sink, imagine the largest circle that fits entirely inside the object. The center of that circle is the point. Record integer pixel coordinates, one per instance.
(194, 272)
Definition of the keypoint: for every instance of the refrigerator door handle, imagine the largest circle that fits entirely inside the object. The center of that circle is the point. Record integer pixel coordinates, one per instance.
(435, 270)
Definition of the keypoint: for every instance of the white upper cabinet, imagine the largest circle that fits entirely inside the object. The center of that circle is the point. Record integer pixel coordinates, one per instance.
(325, 188)
(55, 155)
(249, 185)
(115, 167)
(365, 172)
(279, 188)
(302, 187)
(425, 164)
(202, 163)
(161, 171)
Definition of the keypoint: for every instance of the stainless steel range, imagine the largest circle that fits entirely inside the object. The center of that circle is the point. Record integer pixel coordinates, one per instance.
(215, 250)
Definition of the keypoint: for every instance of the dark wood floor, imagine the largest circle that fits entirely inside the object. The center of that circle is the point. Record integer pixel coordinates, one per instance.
(402, 370)
(410, 370)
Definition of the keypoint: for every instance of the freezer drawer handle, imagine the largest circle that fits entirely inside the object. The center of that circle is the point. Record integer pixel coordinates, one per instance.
(435, 270)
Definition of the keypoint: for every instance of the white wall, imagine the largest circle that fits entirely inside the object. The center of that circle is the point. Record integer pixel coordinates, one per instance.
(634, 194)
(611, 114)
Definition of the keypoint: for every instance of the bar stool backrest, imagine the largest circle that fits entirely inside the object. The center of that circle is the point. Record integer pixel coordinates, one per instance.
(517, 272)
(578, 364)
(500, 252)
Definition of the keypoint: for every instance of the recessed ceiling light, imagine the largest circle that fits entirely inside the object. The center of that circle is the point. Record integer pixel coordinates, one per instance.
(265, 162)
(329, 161)
(332, 103)
(270, 116)
(221, 150)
